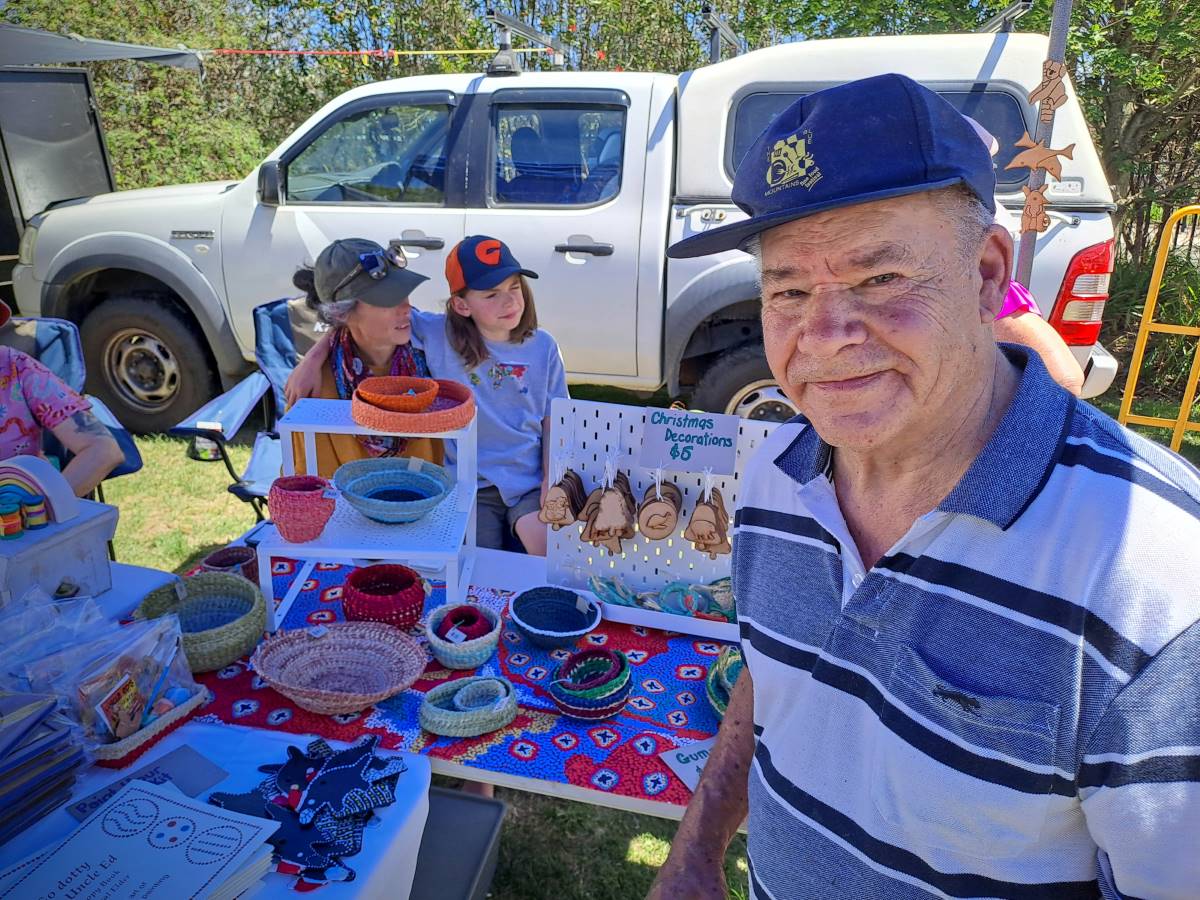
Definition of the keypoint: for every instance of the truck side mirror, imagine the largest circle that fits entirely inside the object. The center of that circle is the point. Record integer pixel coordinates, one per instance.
(270, 183)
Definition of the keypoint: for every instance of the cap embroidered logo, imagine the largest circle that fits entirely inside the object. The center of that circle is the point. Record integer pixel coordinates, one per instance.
(488, 252)
(791, 164)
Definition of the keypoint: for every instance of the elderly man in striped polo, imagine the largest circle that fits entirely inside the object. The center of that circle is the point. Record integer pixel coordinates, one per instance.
(968, 602)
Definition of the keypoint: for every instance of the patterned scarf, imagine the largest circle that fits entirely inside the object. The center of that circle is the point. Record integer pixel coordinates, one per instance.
(349, 371)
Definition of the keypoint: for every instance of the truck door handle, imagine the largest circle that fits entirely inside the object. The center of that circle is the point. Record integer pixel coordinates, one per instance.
(434, 243)
(594, 249)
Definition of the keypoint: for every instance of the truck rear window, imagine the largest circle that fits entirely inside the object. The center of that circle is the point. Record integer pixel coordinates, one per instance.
(997, 111)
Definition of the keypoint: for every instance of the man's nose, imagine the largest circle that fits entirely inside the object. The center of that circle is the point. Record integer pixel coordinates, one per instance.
(831, 322)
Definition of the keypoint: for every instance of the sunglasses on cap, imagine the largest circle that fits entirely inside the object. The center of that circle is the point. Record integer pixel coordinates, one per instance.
(373, 263)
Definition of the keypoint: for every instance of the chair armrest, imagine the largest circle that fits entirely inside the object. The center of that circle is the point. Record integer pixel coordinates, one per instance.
(222, 417)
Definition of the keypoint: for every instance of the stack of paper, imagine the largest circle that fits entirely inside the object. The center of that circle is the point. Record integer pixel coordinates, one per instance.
(38, 761)
(150, 841)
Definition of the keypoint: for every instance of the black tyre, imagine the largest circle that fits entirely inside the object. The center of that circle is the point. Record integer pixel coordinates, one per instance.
(146, 362)
(739, 382)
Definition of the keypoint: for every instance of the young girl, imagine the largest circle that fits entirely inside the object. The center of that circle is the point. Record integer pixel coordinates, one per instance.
(488, 338)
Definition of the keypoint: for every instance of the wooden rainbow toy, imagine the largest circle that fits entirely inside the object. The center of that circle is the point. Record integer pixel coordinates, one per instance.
(38, 490)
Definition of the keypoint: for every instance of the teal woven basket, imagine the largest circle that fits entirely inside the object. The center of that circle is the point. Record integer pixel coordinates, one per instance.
(393, 490)
(469, 654)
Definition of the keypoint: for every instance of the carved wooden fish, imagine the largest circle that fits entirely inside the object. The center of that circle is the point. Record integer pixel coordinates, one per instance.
(1038, 156)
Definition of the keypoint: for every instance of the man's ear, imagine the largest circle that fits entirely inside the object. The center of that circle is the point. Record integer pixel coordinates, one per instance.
(995, 264)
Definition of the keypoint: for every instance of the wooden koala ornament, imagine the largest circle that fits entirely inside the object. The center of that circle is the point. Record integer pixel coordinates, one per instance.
(564, 501)
(1051, 93)
(708, 528)
(608, 515)
(658, 517)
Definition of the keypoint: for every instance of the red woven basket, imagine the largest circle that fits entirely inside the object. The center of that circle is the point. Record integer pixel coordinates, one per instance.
(387, 593)
(391, 392)
(299, 507)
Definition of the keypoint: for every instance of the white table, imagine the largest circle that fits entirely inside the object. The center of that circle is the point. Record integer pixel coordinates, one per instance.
(388, 859)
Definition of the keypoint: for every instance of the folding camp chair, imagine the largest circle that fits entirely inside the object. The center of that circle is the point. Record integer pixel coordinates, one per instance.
(283, 329)
(55, 344)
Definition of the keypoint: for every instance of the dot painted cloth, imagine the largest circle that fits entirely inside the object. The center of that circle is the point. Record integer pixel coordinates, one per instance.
(32, 398)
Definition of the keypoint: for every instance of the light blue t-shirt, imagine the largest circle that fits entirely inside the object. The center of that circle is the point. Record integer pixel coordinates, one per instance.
(513, 389)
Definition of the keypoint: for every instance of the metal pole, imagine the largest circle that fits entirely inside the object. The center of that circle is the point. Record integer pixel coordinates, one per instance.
(714, 45)
(1060, 22)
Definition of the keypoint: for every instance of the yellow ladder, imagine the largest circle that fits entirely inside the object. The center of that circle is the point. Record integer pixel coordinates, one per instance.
(1183, 421)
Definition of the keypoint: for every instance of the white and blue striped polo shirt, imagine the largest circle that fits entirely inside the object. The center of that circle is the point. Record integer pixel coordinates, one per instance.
(1008, 704)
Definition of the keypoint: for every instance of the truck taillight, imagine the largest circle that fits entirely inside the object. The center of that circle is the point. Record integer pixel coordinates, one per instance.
(1079, 308)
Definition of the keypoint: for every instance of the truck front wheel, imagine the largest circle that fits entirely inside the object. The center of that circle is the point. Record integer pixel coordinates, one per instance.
(145, 362)
(739, 382)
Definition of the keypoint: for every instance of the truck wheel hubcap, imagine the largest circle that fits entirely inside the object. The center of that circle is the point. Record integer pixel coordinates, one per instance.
(762, 400)
(140, 369)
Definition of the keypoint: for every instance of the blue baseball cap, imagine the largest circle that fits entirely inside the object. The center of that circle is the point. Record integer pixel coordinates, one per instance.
(480, 262)
(871, 139)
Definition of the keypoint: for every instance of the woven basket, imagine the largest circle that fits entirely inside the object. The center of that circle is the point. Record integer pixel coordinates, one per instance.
(340, 668)
(222, 616)
(454, 408)
(590, 709)
(392, 392)
(364, 483)
(468, 707)
(234, 560)
(551, 617)
(593, 675)
(469, 654)
(123, 752)
(387, 593)
(722, 676)
(299, 507)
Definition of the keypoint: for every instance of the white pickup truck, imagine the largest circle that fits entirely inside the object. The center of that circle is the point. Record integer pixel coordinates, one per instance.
(589, 176)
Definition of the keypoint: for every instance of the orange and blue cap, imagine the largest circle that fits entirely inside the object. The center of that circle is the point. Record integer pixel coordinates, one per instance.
(479, 263)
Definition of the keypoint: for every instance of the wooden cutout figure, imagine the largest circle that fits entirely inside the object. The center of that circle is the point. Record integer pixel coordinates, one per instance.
(564, 501)
(1038, 156)
(1033, 217)
(708, 528)
(610, 516)
(1051, 93)
(659, 517)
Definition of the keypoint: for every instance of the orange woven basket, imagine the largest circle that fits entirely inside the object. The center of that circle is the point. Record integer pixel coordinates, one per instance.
(453, 408)
(392, 392)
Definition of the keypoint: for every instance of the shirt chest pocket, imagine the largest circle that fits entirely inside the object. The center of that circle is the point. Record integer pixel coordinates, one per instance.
(959, 770)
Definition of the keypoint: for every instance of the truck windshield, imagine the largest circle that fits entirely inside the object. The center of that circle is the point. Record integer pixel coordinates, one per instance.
(997, 111)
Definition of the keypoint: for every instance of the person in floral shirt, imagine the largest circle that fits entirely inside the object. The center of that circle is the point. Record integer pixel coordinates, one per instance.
(32, 400)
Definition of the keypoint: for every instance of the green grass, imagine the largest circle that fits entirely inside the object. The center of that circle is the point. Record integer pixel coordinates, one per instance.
(176, 510)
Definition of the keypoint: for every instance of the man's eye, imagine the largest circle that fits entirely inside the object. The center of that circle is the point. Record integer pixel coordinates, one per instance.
(883, 279)
(793, 294)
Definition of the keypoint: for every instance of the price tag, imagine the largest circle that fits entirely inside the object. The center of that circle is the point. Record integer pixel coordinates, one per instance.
(318, 631)
(455, 636)
(330, 493)
(684, 441)
(583, 606)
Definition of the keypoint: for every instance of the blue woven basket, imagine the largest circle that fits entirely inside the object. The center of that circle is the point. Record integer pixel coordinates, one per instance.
(393, 490)
(551, 617)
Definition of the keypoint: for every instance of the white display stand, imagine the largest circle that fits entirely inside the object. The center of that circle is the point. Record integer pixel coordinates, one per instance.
(584, 435)
(441, 543)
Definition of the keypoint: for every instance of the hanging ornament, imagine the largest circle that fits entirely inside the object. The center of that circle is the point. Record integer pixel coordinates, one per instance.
(658, 515)
(708, 527)
(610, 516)
(564, 501)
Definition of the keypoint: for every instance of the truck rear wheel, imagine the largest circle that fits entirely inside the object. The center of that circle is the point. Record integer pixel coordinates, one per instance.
(145, 362)
(739, 382)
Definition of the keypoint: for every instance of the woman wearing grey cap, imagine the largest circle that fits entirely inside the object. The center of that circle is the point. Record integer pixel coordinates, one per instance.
(362, 290)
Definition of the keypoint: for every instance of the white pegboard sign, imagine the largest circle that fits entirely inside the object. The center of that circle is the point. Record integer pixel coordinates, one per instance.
(584, 435)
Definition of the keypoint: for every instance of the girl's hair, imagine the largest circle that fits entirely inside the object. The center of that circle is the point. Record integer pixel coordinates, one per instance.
(464, 337)
(330, 313)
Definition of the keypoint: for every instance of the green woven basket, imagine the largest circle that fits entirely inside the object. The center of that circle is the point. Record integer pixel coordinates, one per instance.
(468, 654)
(222, 616)
(468, 707)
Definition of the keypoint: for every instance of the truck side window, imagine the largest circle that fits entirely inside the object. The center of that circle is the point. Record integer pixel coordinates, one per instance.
(556, 155)
(996, 110)
(386, 154)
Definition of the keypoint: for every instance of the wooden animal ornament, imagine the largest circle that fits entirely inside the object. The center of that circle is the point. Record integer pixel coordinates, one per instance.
(658, 516)
(1037, 156)
(708, 527)
(564, 501)
(1033, 216)
(609, 516)
(1051, 93)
